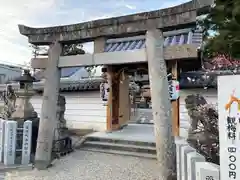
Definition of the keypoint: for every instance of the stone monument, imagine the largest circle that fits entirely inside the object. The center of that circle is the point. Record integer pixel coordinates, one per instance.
(61, 131)
(62, 143)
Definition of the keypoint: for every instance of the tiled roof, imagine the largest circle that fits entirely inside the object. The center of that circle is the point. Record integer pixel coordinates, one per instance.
(178, 37)
(65, 85)
(11, 66)
(69, 71)
(65, 72)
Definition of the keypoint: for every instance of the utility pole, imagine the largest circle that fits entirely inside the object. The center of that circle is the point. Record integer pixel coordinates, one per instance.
(161, 104)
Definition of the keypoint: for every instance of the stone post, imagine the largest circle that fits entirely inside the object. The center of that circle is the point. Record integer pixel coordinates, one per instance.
(184, 168)
(161, 105)
(48, 119)
(10, 143)
(180, 142)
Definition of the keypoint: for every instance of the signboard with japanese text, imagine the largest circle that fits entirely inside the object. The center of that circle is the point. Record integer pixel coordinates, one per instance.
(104, 91)
(229, 126)
(174, 89)
(10, 142)
(27, 141)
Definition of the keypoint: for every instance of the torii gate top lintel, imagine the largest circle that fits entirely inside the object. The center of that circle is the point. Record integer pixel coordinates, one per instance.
(122, 26)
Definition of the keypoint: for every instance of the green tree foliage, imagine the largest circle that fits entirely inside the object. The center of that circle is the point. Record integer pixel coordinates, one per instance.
(224, 20)
(72, 49)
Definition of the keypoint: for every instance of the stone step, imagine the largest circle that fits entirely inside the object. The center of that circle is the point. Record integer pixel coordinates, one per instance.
(120, 147)
(123, 153)
(120, 141)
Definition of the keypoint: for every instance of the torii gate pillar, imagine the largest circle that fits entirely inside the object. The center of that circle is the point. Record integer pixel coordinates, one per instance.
(48, 122)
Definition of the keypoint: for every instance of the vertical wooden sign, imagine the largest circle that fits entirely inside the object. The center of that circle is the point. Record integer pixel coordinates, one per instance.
(229, 126)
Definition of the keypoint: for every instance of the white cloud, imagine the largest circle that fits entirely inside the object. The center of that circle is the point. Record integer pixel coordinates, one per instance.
(14, 47)
(130, 6)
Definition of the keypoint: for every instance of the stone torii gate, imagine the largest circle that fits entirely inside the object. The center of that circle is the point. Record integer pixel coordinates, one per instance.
(171, 21)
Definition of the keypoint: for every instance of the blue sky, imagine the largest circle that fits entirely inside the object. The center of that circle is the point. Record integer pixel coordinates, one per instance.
(14, 47)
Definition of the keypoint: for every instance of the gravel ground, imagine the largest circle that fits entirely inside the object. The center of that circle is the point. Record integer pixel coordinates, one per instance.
(2, 176)
(83, 165)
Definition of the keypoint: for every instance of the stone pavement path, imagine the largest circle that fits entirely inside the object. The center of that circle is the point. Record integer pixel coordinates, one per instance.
(83, 165)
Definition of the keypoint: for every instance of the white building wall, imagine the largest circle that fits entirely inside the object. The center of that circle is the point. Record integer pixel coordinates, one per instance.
(85, 110)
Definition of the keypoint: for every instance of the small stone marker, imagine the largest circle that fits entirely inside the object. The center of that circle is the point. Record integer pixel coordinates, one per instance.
(229, 126)
(207, 171)
(2, 127)
(27, 142)
(184, 151)
(180, 142)
(10, 142)
(192, 158)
